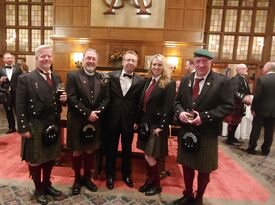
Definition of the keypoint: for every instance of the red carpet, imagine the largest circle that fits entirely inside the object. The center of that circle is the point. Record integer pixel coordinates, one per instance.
(230, 181)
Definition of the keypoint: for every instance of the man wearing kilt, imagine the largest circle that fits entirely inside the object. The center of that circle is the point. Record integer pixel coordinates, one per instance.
(157, 107)
(38, 108)
(203, 100)
(88, 96)
(241, 97)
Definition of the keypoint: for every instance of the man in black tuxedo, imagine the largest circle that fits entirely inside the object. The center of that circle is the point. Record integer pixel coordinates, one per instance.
(8, 79)
(263, 110)
(121, 117)
(242, 97)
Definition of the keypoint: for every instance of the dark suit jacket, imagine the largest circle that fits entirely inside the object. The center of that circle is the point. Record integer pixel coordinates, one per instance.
(81, 104)
(160, 105)
(240, 89)
(213, 104)
(36, 99)
(123, 109)
(264, 99)
(16, 71)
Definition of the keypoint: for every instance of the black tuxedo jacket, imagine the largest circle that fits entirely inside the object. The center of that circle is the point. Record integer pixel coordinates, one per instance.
(16, 71)
(123, 109)
(264, 99)
(36, 99)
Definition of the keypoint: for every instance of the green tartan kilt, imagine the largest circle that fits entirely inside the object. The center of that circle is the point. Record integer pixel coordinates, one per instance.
(206, 160)
(32, 149)
(156, 147)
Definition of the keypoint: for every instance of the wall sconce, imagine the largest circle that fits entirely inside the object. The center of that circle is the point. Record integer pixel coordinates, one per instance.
(77, 58)
(172, 62)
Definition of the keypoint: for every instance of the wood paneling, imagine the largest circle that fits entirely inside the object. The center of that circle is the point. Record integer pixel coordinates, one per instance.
(80, 16)
(130, 34)
(81, 3)
(176, 3)
(196, 22)
(66, 2)
(195, 4)
(72, 32)
(99, 33)
(174, 19)
(63, 15)
(153, 35)
(186, 36)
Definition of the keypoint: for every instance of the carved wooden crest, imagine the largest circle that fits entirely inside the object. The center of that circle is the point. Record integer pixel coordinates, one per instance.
(142, 5)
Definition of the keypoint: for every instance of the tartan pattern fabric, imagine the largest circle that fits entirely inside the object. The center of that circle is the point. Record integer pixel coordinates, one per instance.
(33, 150)
(201, 161)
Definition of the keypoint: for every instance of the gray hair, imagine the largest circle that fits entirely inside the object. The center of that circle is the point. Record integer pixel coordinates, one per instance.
(40, 48)
(271, 66)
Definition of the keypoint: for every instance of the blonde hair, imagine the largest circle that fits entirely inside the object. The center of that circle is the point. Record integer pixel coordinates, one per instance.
(166, 71)
(130, 52)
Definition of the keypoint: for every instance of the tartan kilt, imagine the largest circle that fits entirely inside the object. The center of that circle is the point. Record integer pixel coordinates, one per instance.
(33, 150)
(156, 147)
(206, 160)
(74, 126)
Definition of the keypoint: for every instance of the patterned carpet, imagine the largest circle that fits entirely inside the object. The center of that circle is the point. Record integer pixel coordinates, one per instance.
(15, 195)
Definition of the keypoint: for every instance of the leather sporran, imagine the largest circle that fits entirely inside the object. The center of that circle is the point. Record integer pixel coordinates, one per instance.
(50, 135)
(143, 132)
(190, 141)
(88, 134)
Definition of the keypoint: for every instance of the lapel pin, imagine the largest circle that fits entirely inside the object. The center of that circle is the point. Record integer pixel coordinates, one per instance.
(189, 83)
(207, 83)
(36, 85)
(84, 81)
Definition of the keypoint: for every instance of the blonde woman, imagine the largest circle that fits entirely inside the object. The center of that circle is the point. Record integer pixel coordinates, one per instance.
(157, 106)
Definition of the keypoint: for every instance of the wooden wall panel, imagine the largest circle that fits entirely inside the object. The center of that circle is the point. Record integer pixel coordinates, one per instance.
(197, 20)
(71, 32)
(176, 3)
(65, 2)
(81, 3)
(130, 34)
(80, 16)
(152, 35)
(174, 19)
(99, 33)
(63, 15)
(62, 61)
(186, 36)
(195, 4)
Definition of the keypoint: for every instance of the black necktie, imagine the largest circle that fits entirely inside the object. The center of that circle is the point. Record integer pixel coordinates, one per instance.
(127, 75)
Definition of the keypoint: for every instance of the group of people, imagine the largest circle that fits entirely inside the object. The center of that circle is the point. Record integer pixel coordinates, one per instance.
(105, 108)
(262, 107)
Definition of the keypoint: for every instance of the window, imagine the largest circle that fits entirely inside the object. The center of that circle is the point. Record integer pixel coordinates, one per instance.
(28, 24)
(239, 30)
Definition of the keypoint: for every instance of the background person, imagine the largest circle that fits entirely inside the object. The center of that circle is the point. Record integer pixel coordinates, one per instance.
(9, 74)
(263, 110)
(88, 96)
(38, 108)
(121, 117)
(242, 97)
(157, 107)
(208, 95)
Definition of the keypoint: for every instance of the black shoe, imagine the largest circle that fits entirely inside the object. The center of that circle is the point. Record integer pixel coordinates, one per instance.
(250, 150)
(128, 181)
(232, 142)
(265, 153)
(153, 191)
(185, 200)
(146, 186)
(52, 191)
(89, 185)
(110, 183)
(41, 198)
(10, 131)
(76, 188)
(164, 174)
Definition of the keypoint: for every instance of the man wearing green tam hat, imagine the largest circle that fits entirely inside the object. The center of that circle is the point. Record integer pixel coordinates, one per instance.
(204, 99)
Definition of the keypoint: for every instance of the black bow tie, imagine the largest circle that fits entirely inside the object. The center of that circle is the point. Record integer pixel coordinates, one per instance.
(8, 66)
(127, 75)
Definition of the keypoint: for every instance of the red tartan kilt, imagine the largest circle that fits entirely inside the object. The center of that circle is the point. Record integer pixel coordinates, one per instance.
(233, 119)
